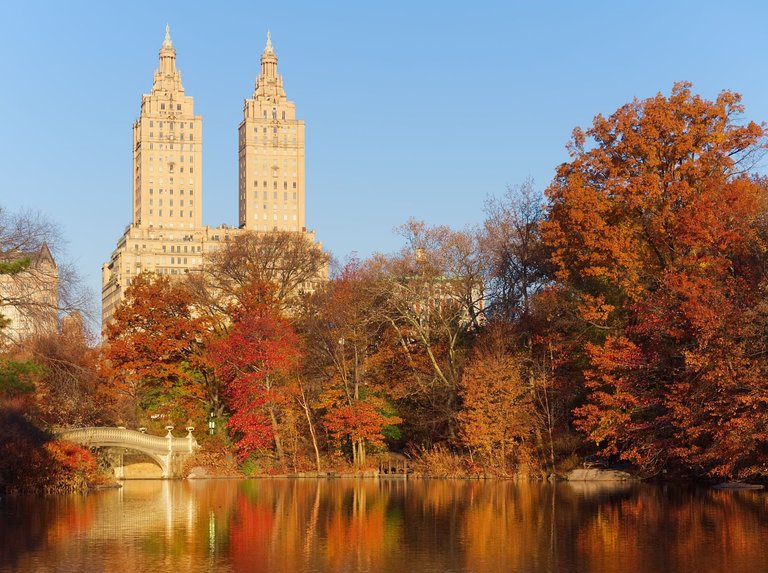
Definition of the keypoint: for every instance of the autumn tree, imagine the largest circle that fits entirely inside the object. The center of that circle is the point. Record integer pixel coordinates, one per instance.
(342, 333)
(254, 361)
(497, 418)
(155, 353)
(516, 263)
(67, 392)
(432, 292)
(654, 231)
(290, 263)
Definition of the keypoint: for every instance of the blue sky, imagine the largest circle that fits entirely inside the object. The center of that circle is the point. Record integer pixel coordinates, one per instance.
(419, 109)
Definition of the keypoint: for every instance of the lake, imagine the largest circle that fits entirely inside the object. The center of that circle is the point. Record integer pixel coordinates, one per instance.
(387, 525)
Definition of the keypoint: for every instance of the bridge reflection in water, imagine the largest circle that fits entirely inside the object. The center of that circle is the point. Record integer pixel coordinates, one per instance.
(288, 526)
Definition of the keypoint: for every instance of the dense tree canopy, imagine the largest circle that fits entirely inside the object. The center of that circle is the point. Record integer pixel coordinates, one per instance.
(655, 228)
(155, 353)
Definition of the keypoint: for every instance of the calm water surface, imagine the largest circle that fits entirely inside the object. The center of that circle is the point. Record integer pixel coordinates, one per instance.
(387, 526)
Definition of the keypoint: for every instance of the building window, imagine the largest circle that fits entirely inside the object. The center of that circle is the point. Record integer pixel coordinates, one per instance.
(178, 108)
(283, 115)
(162, 106)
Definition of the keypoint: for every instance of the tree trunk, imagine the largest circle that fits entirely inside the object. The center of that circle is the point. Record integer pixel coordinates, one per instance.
(360, 453)
(276, 433)
(305, 406)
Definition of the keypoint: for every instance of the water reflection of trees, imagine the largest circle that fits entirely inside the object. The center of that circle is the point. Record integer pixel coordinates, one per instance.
(389, 525)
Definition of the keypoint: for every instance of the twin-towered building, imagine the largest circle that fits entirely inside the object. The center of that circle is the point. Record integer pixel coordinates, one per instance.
(166, 235)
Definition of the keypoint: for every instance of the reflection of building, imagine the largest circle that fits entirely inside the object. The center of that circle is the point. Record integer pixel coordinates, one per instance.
(166, 235)
(29, 294)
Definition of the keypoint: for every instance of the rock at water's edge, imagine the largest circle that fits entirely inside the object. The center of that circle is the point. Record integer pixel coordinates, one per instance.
(597, 475)
(198, 472)
(737, 485)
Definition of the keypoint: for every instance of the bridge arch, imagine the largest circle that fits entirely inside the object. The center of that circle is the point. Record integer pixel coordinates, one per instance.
(167, 451)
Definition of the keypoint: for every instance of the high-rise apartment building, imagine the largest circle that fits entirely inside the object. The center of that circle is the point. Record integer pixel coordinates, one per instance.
(271, 155)
(167, 152)
(167, 235)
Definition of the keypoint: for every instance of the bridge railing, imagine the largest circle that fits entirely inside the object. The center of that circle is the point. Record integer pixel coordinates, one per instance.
(130, 438)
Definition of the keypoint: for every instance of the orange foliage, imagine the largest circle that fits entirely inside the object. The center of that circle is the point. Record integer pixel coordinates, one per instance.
(655, 230)
(155, 351)
(497, 418)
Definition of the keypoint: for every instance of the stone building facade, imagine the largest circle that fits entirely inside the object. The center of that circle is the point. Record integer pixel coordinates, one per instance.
(29, 299)
(166, 235)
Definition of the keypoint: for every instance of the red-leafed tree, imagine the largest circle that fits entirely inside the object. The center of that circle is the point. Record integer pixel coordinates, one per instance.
(655, 228)
(254, 361)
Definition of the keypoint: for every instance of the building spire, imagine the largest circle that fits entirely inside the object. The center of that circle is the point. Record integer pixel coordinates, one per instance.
(167, 67)
(167, 42)
(269, 84)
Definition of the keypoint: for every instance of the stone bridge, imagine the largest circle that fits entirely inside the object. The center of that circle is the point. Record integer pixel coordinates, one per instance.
(168, 452)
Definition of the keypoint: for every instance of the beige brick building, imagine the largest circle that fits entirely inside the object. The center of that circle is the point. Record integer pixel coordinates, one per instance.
(166, 235)
(271, 155)
(29, 299)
